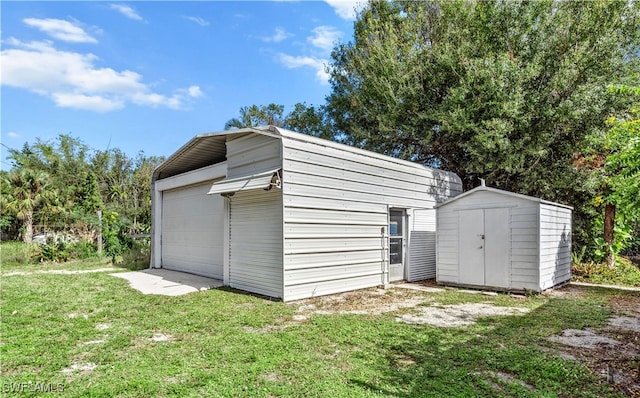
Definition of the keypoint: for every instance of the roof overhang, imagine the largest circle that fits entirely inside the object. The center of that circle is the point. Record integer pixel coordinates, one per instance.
(265, 180)
(203, 150)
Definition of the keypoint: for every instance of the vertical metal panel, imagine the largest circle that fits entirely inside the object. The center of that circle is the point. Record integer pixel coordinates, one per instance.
(471, 247)
(192, 231)
(497, 248)
(422, 245)
(255, 242)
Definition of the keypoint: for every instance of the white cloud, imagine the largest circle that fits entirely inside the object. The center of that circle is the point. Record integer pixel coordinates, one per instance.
(279, 35)
(86, 102)
(325, 37)
(127, 11)
(13, 134)
(346, 9)
(73, 80)
(198, 20)
(61, 30)
(293, 62)
(195, 92)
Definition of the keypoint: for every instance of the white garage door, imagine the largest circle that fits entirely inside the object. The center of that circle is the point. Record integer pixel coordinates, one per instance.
(192, 230)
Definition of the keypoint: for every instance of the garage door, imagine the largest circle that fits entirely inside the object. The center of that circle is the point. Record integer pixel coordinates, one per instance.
(192, 230)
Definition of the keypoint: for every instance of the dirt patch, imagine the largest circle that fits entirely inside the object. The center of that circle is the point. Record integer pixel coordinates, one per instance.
(457, 315)
(157, 337)
(80, 367)
(499, 379)
(584, 338)
(612, 351)
(363, 302)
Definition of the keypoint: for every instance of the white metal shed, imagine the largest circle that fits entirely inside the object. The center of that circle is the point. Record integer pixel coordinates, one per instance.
(288, 215)
(490, 238)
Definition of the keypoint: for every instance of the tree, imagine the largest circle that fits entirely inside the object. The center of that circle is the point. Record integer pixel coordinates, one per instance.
(617, 168)
(506, 91)
(252, 116)
(310, 120)
(30, 189)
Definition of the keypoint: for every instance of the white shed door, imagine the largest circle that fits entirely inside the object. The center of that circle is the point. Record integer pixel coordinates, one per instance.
(193, 230)
(471, 246)
(497, 271)
(484, 247)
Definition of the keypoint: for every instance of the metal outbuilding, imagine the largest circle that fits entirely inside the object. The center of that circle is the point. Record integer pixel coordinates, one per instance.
(490, 238)
(291, 216)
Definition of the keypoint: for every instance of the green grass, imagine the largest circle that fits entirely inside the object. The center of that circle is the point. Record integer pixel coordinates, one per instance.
(221, 344)
(625, 273)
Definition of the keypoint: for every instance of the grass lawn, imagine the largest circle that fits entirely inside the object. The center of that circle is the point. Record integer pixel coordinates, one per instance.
(90, 334)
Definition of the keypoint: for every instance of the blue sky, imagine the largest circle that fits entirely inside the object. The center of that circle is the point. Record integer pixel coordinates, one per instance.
(151, 75)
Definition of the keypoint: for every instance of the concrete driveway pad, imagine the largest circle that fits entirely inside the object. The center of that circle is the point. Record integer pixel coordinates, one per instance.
(166, 282)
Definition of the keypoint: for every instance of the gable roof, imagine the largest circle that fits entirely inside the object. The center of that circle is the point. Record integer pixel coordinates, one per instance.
(483, 188)
(208, 149)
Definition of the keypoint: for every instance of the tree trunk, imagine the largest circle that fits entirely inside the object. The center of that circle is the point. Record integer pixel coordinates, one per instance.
(99, 237)
(609, 238)
(27, 237)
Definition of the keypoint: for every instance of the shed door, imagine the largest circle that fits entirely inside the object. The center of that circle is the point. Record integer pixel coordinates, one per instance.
(192, 230)
(397, 244)
(484, 247)
(471, 238)
(497, 245)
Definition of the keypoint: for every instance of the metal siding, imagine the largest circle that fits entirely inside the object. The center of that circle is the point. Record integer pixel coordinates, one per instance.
(555, 245)
(335, 214)
(422, 245)
(446, 245)
(255, 242)
(192, 231)
(252, 154)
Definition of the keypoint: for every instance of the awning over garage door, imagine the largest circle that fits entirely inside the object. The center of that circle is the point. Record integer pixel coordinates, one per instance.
(266, 180)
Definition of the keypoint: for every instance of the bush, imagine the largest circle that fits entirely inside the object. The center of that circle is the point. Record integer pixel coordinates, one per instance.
(624, 273)
(18, 252)
(137, 257)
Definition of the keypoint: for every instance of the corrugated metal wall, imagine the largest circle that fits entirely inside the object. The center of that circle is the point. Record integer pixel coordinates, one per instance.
(255, 242)
(555, 245)
(192, 239)
(335, 209)
(252, 153)
(422, 245)
(255, 219)
(525, 270)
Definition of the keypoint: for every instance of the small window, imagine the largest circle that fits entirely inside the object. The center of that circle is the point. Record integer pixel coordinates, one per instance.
(395, 223)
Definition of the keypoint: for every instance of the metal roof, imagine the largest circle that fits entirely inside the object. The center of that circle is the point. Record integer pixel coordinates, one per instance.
(201, 151)
(207, 149)
(501, 192)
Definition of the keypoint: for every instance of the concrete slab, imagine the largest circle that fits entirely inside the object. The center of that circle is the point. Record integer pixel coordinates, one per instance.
(166, 282)
(420, 288)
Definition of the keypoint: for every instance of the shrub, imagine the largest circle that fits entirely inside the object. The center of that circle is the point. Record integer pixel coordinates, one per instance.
(14, 252)
(137, 257)
(624, 273)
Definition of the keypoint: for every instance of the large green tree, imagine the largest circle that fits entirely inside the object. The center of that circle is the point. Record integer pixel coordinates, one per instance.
(254, 115)
(506, 91)
(85, 180)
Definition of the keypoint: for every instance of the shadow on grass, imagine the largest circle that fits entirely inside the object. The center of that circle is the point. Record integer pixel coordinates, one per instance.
(506, 356)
